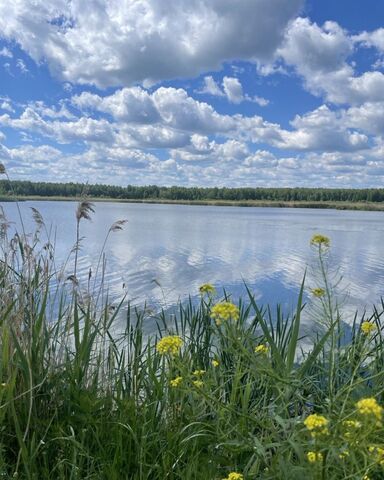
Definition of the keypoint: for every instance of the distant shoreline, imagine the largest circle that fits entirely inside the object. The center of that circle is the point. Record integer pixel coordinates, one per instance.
(363, 206)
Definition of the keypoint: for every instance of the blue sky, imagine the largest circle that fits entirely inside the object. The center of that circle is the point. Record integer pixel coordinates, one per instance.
(197, 92)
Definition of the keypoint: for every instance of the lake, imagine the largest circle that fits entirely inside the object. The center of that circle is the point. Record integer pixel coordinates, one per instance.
(165, 252)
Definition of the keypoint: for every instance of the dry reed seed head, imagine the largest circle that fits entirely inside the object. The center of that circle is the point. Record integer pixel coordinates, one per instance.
(320, 241)
(118, 225)
(2, 169)
(84, 210)
(37, 217)
(73, 279)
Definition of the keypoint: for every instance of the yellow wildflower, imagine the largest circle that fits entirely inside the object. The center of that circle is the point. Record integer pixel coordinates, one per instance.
(234, 476)
(378, 454)
(351, 424)
(320, 240)
(369, 406)
(198, 373)
(367, 327)
(176, 382)
(215, 363)
(314, 457)
(170, 345)
(207, 288)
(198, 383)
(224, 311)
(263, 348)
(316, 424)
(343, 454)
(318, 292)
(351, 427)
(366, 477)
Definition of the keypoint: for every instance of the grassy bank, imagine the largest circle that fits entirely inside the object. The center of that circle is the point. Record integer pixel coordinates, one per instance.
(367, 206)
(220, 391)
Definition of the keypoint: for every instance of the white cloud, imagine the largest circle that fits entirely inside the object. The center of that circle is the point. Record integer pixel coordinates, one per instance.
(83, 129)
(371, 39)
(20, 64)
(261, 101)
(320, 55)
(123, 42)
(5, 52)
(233, 89)
(210, 87)
(6, 104)
(324, 130)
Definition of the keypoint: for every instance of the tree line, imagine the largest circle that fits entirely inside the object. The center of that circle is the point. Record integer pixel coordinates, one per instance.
(154, 192)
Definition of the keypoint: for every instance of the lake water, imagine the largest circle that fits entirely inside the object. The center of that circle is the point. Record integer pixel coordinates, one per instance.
(166, 251)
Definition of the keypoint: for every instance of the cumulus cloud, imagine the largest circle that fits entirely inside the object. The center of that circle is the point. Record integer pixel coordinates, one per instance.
(120, 43)
(211, 87)
(320, 56)
(169, 118)
(232, 89)
(371, 39)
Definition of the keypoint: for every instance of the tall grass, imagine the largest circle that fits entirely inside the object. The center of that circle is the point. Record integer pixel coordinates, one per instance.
(84, 397)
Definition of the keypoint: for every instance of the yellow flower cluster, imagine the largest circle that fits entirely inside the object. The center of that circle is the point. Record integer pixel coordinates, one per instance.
(343, 454)
(224, 311)
(377, 454)
(198, 383)
(350, 428)
(198, 373)
(367, 327)
(320, 240)
(369, 406)
(318, 292)
(316, 424)
(263, 349)
(314, 457)
(234, 476)
(215, 363)
(176, 382)
(207, 288)
(170, 345)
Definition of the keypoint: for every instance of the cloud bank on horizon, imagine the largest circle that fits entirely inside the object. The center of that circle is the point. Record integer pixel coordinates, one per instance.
(204, 92)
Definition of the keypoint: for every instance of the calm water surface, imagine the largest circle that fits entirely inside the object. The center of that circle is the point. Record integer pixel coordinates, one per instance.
(166, 251)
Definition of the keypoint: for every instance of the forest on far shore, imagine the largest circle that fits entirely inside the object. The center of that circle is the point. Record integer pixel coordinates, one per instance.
(174, 193)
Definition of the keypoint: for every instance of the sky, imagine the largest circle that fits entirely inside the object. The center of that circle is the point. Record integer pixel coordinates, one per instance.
(236, 93)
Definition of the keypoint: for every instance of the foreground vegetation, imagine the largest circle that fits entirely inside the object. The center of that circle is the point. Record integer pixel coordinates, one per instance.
(220, 391)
